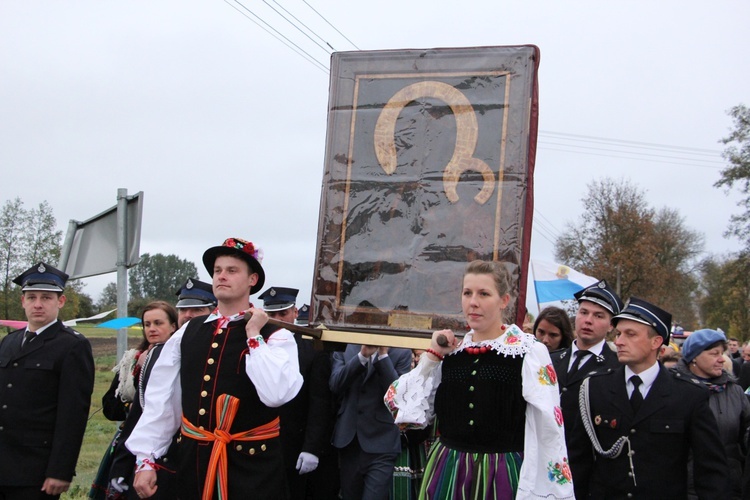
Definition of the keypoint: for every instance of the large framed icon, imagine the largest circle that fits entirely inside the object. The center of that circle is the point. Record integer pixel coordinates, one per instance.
(429, 165)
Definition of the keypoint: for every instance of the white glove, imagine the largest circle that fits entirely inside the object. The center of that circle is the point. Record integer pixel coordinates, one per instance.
(307, 462)
(118, 484)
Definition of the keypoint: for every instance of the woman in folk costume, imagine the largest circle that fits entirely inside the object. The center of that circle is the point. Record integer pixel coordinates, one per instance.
(159, 320)
(496, 401)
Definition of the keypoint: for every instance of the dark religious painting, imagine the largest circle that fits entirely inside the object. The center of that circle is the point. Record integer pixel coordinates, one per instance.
(429, 165)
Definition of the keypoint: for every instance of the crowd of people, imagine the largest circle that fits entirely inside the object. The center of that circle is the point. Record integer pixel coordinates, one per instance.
(219, 402)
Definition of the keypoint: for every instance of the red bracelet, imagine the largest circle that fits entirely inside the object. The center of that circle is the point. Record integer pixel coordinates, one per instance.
(435, 353)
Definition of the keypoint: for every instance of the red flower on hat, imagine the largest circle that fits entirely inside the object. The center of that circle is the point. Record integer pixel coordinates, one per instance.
(245, 247)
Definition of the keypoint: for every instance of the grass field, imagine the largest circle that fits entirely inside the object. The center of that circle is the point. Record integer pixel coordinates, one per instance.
(99, 430)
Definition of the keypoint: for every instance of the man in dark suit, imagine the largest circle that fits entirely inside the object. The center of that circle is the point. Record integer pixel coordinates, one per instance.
(46, 381)
(639, 422)
(307, 420)
(596, 306)
(367, 438)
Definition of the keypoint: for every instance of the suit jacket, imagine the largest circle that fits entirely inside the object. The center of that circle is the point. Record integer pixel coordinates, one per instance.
(45, 394)
(673, 420)
(361, 388)
(569, 384)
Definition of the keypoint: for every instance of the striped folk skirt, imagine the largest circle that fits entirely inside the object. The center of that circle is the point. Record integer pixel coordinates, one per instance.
(452, 474)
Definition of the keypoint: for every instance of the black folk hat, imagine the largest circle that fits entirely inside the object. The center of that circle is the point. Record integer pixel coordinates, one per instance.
(242, 249)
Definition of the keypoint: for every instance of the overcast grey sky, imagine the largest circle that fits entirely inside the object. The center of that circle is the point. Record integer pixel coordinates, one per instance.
(223, 127)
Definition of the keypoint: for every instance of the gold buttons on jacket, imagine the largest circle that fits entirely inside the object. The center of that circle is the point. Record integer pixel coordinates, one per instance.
(471, 388)
(238, 447)
(215, 345)
(210, 361)
(201, 411)
(207, 377)
(251, 451)
(262, 447)
(204, 394)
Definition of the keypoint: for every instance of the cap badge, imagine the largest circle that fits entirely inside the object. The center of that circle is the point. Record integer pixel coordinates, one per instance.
(304, 308)
(272, 293)
(189, 284)
(41, 268)
(601, 284)
(598, 420)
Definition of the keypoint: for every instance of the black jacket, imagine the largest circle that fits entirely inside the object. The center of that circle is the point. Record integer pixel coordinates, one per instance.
(45, 394)
(673, 421)
(569, 385)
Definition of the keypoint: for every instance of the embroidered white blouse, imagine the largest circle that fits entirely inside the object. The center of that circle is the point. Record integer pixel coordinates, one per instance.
(545, 472)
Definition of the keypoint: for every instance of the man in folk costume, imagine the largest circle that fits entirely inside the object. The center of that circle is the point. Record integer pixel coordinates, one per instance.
(46, 381)
(596, 306)
(220, 379)
(640, 422)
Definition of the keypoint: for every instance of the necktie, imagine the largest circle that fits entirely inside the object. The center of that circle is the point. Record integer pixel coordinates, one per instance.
(636, 398)
(28, 337)
(577, 362)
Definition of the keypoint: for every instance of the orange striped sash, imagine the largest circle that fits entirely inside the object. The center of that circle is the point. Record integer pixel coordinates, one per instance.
(227, 407)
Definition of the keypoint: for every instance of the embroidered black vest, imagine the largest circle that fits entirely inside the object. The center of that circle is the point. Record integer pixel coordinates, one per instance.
(214, 364)
(479, 403)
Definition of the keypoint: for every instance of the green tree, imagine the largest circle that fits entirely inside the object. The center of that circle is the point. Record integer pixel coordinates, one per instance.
(108, 298)
(737, 153)
(26, 237)
(724, 293)
(649, 253)
(12, 226)
(158, 277)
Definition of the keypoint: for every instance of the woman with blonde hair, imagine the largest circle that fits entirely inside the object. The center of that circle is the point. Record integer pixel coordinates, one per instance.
(495, 397)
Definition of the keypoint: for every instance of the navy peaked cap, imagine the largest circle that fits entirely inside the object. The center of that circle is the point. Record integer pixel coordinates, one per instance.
(647, 313)
(43, 278)
(195, 293)
(278, 298)
(600, 293)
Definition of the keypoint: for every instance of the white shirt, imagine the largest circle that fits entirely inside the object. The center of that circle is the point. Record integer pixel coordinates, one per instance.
(273, 368)
(595, 349)
(648, 376)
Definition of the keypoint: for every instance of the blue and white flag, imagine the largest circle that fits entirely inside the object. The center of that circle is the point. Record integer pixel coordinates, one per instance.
(557, 282)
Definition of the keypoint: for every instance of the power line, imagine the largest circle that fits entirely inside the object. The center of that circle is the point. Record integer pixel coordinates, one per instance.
(632, 158)
(588, 138)
(306, 26)
(295, 26)
(276, 34)
(330, 24)
(547, 221)
(630, 152)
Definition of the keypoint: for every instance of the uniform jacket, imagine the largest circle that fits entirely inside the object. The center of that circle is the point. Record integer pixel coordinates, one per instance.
(362, 412)
(569, 384)
(307, 420)
(673, 420)
(45, 394)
